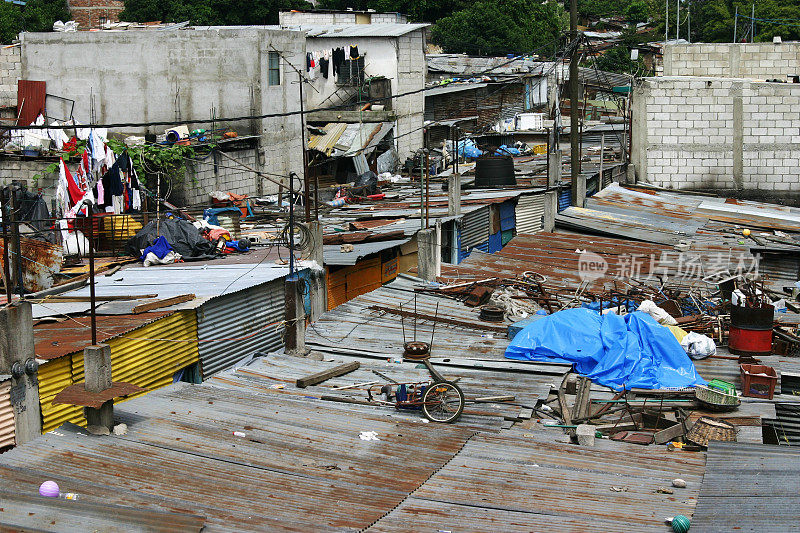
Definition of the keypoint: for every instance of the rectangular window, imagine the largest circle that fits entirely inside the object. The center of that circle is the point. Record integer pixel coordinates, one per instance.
(274, 68)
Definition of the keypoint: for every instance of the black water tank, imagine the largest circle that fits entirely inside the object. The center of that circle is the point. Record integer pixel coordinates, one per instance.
(494, 171)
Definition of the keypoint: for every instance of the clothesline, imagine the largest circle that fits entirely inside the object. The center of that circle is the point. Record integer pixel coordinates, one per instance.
(323, 60)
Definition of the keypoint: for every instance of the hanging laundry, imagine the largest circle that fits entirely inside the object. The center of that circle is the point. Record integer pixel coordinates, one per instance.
(58, 136)
(323, 66)
(308, 62)
(354, 52)
(337, 60)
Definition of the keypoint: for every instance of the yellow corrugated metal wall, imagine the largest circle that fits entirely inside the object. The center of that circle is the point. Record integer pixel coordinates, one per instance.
(137, 357)
(6, 416)
(54, 376)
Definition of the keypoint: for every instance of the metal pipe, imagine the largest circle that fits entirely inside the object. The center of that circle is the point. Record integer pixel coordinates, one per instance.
(91, 277)
(574, 88)
(427, 181)
(291, 225)
(305, 155)
(16, 239)
(6, 265)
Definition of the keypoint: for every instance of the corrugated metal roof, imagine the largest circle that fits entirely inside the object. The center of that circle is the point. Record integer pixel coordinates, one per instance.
(326, 143)
(333, 255)
(204, 281)
(357, 30)
(749, 487)
(520, 481)
(300, 465)
(453, 88)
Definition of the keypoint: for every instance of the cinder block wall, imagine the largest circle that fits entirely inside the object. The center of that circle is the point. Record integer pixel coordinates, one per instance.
(202, 178)
(411, 73)
(701, 133)
(10, 73)
(758, 61)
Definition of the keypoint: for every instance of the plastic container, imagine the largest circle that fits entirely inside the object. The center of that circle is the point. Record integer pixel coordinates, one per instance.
(758, 381)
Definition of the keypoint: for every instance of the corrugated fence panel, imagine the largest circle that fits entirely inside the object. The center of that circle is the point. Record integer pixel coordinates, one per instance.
(475, 228)
(337, 287)
(564, 199)
(54, 376)
(507, 215)
(363, 277)
(148, 357)
(251, 315)
(151, 355)
(530, 213)
(780, 266)
(6, 416)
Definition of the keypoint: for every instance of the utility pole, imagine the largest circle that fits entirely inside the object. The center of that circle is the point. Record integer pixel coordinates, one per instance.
(677, 19)
(735, 22)
(666, 21)
(574, 97)
(753, 24)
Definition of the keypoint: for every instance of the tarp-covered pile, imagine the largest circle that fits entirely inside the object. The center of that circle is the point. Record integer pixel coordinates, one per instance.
(631, 351)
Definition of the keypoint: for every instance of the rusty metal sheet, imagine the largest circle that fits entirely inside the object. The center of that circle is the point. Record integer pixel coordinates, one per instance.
(32, 512)
(77, 394)
(40, 262)
(299, 464)
(527, 482)
(56, 339)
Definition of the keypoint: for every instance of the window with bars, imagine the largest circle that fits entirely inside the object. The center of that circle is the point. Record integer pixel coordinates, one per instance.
(274, 69)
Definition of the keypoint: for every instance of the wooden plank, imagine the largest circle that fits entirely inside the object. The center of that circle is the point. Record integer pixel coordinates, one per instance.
(672, 432)
(319, 377)
(113, 298)
(158, 304)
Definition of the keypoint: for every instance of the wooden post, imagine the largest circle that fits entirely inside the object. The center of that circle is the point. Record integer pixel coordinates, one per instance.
(97, 371)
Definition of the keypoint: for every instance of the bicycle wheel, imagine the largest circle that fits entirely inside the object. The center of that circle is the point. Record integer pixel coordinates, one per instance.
(443, 401)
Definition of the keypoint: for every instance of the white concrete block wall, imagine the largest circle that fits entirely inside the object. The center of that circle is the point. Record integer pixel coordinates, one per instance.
(759, 61)
(705, 133)
(411, 72)
(32, 175)
(201, 179)
(10, 73)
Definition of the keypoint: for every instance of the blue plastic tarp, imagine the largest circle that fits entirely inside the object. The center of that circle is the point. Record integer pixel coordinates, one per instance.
(160, 247)
(615, 351)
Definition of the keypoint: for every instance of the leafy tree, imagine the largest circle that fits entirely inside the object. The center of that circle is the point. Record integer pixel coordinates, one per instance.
(36, 15)
(638, 11)
(10, 21)
(39, 15)
(210, 12)
(491, 27)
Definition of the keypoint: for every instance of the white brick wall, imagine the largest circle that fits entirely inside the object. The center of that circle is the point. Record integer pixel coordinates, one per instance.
(10, 73)
(685, 134)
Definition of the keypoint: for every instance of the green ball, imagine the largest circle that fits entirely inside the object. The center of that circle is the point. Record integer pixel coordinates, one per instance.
(680, 524)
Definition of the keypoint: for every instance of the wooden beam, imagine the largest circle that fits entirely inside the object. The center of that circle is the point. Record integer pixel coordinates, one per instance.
(319, 377)
(158, 304)
(351, 116)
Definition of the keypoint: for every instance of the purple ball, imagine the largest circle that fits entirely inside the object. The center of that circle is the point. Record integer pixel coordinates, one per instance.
(49, 489)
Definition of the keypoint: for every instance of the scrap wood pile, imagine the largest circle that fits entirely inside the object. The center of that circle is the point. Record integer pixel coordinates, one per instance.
(680, 418)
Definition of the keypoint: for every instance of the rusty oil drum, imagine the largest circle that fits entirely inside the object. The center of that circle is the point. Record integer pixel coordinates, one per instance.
(751, 330)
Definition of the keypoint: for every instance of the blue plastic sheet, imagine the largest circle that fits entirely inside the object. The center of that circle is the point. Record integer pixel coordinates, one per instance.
(615, 351)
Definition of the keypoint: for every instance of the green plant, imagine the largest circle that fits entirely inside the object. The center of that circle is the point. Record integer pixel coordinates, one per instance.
(149, 159)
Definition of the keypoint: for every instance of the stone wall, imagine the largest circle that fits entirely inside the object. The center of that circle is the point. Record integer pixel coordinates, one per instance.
(716, 133)
(10, 73)
(758, 61)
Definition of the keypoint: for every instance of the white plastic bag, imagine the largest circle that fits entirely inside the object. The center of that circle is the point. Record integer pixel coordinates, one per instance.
(660, 316)
(698, 346)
